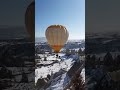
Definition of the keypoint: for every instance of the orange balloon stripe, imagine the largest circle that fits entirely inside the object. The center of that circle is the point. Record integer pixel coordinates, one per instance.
(29, 20)
(56, 48)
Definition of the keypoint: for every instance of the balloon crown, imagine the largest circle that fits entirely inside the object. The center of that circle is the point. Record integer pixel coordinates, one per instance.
(57, 25)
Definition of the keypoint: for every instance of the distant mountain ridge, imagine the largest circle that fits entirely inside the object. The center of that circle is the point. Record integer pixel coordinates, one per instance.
(40, 39)
(43, 39)
(7, 32)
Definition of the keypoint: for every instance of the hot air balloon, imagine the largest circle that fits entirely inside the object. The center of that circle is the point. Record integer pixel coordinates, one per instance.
(56, 35)
(29, 20)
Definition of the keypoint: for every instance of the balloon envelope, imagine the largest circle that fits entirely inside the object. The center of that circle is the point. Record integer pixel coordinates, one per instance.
(56, 35)
(29, 20)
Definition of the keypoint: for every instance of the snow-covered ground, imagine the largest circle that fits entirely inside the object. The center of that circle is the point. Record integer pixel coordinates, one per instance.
(15, 81)
(22, 86)
(60, 81)
(44, 71)
(59, 84)
(17, 72)
(83, 74)
(102, 55)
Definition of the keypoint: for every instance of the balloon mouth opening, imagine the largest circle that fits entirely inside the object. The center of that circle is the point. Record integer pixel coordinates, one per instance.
(56, 51)
(56, 48)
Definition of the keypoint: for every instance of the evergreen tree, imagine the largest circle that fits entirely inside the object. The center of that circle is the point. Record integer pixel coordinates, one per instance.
(108, 59)
(73, 52)
(67, 52)
(78, 83)
(87, 61)
(80, 51)
(45, 58)
(24, 78)
(93, 61)
(117, 61)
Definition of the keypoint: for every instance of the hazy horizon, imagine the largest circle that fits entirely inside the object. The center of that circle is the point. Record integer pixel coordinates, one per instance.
(43, 39)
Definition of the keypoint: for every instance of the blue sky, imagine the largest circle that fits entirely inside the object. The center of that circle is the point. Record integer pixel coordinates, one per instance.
(12, 12)
(70, 13)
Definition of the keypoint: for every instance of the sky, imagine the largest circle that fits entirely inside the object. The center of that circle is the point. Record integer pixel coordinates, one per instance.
(69, 13)
(102, 16)
(12, 12)
(12, 18)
